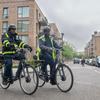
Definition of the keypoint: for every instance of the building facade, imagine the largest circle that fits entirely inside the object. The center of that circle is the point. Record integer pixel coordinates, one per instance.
(93, 47)
(26, 15)
(54, 30)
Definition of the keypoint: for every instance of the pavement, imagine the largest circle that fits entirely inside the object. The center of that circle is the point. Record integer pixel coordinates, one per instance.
(86, 87)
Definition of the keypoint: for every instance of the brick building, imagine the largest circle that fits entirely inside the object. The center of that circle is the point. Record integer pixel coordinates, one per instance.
(93, 47)
(26, 15)
(54, 30)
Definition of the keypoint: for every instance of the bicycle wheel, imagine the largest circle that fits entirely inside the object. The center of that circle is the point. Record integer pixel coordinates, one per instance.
(1, 79)
(64, 78)
(29, 81)
(41, 80)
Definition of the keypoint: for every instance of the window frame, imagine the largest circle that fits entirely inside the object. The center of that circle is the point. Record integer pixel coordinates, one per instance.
(5, 16)
(21, 38)
(21, 29)
(3, 27)
(22, 11)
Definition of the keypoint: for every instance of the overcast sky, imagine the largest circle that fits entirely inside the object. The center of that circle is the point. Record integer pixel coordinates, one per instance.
(78, 19)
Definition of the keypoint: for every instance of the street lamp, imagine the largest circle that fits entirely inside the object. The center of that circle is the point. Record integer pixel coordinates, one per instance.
(62, 34)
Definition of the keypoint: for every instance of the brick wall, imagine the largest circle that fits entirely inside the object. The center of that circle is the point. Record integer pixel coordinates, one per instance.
(13, 18)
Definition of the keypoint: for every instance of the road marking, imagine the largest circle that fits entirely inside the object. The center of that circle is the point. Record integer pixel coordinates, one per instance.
(85, 83)
(97, 71)
(90, 68)
(81, 68)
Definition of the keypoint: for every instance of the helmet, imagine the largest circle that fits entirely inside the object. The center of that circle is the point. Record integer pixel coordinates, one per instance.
(46, 29)
(12, 26)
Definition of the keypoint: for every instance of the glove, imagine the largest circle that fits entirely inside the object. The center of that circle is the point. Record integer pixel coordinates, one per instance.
(28, 47)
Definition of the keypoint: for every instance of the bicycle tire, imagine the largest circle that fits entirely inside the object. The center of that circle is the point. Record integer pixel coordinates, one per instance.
(34, 74)
(1, 79)
(71, 74)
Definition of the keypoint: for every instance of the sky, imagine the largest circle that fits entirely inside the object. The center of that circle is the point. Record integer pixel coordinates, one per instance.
(77, 19)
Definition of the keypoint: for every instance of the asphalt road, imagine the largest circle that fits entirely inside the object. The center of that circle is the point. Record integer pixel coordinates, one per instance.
(86, 87)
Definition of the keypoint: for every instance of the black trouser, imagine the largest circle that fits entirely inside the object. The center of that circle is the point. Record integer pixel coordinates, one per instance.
(49, 60)
(8, 65)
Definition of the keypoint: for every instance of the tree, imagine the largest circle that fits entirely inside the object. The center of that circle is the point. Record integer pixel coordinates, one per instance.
(68, 51)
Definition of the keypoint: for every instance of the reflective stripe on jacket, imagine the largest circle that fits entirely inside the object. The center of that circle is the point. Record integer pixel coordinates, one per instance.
(8, 39)
(44, 42)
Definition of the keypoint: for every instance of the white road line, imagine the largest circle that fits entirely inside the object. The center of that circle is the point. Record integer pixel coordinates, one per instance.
(81, 68)
(90, 68)
(97, 71)
(85, 83)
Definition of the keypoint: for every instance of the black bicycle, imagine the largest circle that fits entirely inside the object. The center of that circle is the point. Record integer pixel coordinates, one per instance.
(64, 75)
(28, 79)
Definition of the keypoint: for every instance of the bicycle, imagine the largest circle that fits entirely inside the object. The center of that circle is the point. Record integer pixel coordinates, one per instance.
(28, 75)
(63, 73)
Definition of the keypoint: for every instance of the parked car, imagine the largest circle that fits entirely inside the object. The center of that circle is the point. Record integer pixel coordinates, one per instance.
(90, 61)
(86, 61)
(76, 61)
(94, 61)
(98, 61)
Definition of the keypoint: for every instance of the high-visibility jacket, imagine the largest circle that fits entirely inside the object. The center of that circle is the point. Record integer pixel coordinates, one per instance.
(7, 39)
(48, 42)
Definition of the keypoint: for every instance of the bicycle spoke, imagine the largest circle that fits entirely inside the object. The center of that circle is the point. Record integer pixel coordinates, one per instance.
(64, 78)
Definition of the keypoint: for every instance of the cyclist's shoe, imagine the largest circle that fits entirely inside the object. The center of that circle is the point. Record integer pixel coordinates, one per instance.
(44, 76)
(46, 79)
(10, 81)
(52, 82)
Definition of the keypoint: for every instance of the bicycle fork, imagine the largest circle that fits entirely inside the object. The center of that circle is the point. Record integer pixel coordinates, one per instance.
(62, 74)
(26, 73)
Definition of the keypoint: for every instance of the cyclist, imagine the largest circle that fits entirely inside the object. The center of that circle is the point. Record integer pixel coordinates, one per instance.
(83, 61)
(47, 46)
(11, 41)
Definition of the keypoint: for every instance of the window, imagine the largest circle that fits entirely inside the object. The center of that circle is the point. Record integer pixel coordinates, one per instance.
(24, 38)
(23, 11)
(4, 26)
(5, 12)
(23, 26)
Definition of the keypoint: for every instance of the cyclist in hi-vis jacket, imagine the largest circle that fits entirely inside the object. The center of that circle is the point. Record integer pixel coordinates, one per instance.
(48, 53)
(11, 41)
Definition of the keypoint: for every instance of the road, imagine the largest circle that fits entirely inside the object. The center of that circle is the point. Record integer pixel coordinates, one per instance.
(86, 87)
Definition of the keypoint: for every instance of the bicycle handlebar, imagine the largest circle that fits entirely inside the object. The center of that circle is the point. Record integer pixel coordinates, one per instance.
(22, 50)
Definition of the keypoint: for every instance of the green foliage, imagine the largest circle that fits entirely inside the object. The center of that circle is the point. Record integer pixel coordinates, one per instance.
(80, 55)
(68, 51)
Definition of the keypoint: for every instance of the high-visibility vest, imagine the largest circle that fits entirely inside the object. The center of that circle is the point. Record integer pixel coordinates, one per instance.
(53, 51)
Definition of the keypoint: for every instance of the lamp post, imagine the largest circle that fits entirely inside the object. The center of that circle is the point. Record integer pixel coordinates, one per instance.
(62, 36)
